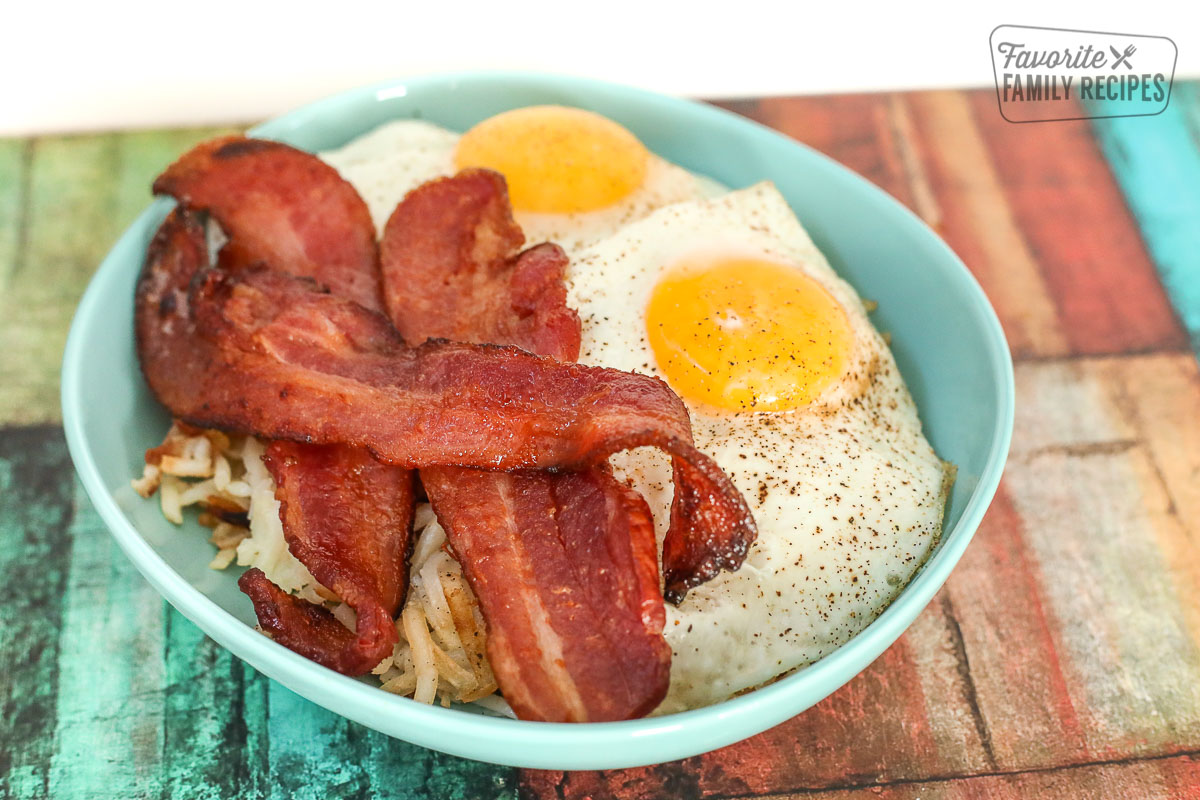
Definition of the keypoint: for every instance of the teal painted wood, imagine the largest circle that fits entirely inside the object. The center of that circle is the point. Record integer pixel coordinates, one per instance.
(213, 742)
(1157, 162)
(36, 503)
(315, 752)
(402, 771)
(312, 749)
(108, 727)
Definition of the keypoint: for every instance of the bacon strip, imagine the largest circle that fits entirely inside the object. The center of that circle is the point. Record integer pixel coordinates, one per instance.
(447, 273)
(348, 519)
(296, 624)
(565, 570)
(282, 207)
(170, 352)
(345, 516)
(709, 531)
(564, 566)
(344, 375)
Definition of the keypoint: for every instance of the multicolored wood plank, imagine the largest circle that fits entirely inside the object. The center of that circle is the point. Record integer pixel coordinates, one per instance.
(1062, 659)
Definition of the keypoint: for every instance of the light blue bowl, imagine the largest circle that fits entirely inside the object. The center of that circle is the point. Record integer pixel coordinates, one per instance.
(945, 336)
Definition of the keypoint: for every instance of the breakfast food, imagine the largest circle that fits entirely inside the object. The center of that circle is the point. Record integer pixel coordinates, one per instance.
(726, 376)
(257, 346)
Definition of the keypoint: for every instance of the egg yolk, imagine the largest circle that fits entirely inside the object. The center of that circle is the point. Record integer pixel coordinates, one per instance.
(556, 160)
(747, 334)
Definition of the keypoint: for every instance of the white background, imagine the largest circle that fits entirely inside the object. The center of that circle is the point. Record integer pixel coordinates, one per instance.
(68, 67)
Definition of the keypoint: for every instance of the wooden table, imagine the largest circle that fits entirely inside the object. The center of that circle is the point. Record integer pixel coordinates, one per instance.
(1061, 659)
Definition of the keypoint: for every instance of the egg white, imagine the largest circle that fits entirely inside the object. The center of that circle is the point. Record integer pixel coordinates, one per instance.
(847, 493)
(386, 163)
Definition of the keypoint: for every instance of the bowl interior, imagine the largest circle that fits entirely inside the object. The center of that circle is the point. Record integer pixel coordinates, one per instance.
(946, 340)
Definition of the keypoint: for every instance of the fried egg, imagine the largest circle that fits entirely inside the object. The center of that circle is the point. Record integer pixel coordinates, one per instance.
(574, 177)
(797, 397)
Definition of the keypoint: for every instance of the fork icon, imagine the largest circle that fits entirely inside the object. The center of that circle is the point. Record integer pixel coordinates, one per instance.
(1123, 58)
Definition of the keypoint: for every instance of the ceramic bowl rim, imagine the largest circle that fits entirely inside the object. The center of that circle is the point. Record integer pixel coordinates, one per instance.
(520, 743)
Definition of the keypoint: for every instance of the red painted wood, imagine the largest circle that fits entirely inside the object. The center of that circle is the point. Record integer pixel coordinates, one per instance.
(976, 222)
(1023, 697)
(854, 130)
(874, 726)
(1073, 214)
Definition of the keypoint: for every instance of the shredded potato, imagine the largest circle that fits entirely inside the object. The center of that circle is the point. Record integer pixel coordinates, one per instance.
(441, 656)
(441, 653)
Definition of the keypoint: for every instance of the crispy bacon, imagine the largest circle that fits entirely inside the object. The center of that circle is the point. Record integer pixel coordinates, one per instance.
(297, 624)
(709, 530)
(348, 518)
(283, 207)
(172, 356)
(565, 566)
(565, 570)
(447, 271)
(300, 364)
